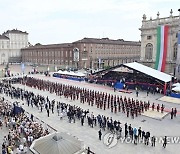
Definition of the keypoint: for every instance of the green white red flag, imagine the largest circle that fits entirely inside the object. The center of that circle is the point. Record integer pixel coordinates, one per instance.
(162, 45)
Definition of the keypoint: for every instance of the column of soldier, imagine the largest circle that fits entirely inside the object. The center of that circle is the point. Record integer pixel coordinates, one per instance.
(129, 106)
(75, 112)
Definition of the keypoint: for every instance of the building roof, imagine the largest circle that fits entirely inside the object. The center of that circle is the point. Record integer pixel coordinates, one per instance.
(108, 41)
(149, 71)
(4, 37)
(15, 31)
(50, 46)
(57, 143)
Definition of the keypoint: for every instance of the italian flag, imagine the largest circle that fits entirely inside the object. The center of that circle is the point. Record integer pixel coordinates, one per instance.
(161, 53)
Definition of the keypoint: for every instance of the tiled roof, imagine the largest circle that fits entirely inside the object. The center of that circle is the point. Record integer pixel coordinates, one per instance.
(4, 37)
(107, 41)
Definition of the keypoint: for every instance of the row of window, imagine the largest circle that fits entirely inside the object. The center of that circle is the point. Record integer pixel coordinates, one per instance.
(51, 54)
(112, 47)
(149, 37)
(149, 51)
(46, 61)
(116, 50)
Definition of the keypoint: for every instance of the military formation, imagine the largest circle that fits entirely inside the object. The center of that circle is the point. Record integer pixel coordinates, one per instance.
(129, 106)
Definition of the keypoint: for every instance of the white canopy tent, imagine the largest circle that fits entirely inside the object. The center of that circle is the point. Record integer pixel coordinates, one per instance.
(57, 143)
(176, 87)
(176, 84)
(78, 74)
(150, 71)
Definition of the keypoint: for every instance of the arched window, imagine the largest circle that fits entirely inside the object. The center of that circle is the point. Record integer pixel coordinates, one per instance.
(175, 51)
(148, 51)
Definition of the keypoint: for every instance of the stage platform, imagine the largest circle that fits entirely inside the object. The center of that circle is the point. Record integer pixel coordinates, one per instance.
(154, 114)
(170, 99)
(125, 91)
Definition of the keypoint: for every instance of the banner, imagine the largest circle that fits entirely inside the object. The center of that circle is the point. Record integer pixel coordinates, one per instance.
(162, 45)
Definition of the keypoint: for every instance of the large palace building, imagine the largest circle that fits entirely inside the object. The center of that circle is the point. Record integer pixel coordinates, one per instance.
(86, 53)
(159, 42)
(11, 43)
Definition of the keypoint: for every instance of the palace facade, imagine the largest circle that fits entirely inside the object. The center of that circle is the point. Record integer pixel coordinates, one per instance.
(149, 41)
(85, 53)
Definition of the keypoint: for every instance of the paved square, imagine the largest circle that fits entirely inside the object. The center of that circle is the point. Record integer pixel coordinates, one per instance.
(159, 128)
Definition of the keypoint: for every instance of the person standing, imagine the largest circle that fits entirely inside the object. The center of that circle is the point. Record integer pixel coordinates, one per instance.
(147, 92)
(126, 133)
(135, 135)
(129, 129)
(82, 120)
(137, 93)
(165, 142)
(41, 106)
(48, 112)
(32, 117)
(158, 107)
(153, 141)
(114, 89)
(139, 133)
(175, 112)
(172, 113)
(162, 108)
(100, 134)
(143, 136)
(88, 150)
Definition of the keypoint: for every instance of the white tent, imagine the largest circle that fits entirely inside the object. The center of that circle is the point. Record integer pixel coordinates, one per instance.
(176, 84)
(177, 89)
(72, 73)
(60, 71)
(65, 72)
(57, 143)
(78, 74)
(150, 71)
